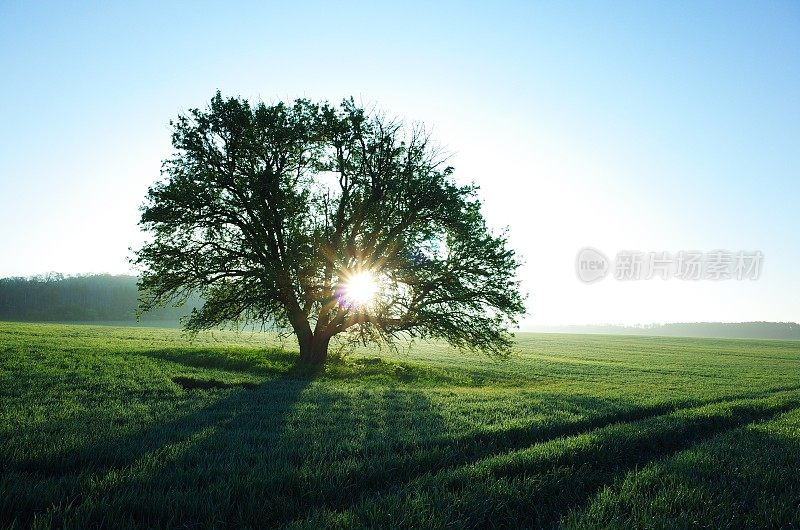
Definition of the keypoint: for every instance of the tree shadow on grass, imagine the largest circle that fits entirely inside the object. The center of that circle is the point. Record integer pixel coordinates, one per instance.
(263, 362)
(268, 454)
(64, 488)
(536, 487)
(586, 414)
(342, 444)
(248, 454)
(259, 459)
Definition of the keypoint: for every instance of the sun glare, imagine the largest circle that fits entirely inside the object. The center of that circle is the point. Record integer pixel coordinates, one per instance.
(359, 290)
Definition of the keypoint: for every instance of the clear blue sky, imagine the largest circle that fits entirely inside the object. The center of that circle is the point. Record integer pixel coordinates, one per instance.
(620, 125)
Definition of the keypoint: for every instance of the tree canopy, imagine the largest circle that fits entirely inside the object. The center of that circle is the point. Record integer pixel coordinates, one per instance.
(323, 219)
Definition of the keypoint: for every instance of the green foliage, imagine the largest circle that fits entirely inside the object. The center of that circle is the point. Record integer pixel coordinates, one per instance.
(102, 426)
(267, 210)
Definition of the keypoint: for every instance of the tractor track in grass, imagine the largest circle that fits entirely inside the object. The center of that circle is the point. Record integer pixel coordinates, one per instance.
(488, 445)
(97, 432)
(469, 448)
(626, 445)
(464, 453)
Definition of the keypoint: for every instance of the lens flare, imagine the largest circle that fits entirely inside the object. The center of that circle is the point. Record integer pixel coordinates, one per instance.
(359, 290)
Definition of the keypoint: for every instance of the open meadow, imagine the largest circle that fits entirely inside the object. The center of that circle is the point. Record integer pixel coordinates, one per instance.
(116, 427)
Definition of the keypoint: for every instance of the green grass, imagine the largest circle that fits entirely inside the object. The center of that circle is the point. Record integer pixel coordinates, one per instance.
(116, 427)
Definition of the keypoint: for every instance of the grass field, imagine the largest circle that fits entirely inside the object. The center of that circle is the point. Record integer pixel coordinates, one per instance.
(116, 427)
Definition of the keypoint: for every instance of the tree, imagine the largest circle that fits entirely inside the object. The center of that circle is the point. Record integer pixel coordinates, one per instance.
(323, 220)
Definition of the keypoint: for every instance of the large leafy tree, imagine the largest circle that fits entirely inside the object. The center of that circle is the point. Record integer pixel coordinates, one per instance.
(323, 220)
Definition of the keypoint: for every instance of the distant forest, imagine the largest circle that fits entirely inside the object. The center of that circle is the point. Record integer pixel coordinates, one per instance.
(107, 298)
(58, 298)
(738, 330)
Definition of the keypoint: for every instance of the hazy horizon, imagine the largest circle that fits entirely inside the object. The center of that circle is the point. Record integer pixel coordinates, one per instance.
(630, 127)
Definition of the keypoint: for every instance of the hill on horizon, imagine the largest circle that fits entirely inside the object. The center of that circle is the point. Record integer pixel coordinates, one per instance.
(734, 330)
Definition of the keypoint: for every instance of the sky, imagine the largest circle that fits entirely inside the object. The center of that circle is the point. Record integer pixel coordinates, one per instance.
(622, 126)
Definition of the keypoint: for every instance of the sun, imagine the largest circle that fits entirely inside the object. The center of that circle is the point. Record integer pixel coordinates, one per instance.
(359, 290)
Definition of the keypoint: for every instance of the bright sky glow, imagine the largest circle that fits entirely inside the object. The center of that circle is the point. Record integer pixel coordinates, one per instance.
(360, 289)
(652, 126)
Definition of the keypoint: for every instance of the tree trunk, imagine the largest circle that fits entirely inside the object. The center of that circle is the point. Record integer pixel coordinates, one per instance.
(314, 349)
(313, 346)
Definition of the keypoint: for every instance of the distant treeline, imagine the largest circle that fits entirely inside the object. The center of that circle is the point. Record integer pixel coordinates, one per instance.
(741, 330)
(58, 298)
(103, 297)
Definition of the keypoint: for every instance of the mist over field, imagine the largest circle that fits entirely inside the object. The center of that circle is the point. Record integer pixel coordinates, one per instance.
(108, 298)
